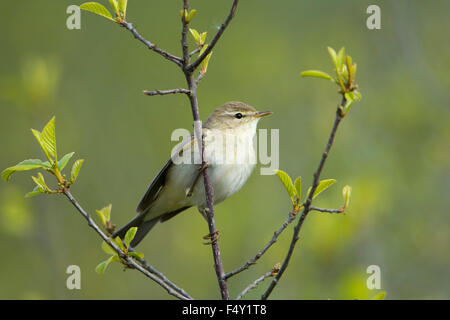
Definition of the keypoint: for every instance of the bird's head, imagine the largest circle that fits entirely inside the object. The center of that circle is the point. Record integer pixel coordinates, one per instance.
(234, 115)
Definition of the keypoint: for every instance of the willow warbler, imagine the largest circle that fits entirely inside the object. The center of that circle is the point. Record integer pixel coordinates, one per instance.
(230, 158)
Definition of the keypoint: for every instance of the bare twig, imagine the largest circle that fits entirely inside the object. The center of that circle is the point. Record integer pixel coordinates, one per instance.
(326, 210)
(253, 260)
(184, 30)
(164, 92)
(150, 45)
(216, 38)
(307, 207)
(142, 266)
(195, 51)
(254, 284)
(188, 71)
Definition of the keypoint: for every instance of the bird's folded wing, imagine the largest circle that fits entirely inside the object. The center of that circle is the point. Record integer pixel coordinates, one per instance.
(159, 181)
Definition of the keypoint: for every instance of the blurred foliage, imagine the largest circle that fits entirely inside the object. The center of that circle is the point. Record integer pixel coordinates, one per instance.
(392, 149)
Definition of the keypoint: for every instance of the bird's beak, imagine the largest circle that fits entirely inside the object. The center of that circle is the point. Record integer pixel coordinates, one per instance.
(260, 114)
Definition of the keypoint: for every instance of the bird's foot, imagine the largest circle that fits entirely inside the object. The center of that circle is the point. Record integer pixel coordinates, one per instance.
(213, 237)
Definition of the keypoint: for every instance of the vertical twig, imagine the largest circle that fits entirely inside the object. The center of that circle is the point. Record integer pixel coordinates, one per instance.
(308, 202)
(188, 71)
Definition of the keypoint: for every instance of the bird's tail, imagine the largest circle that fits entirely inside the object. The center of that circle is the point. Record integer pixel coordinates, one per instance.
(143, 228)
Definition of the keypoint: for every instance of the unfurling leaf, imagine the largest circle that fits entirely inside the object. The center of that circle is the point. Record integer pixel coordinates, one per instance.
(323, 185)
(123, 7)
(204, 64)
(25, 165)
(107, 248)
(316, 74)
(97, 8)
(287, 183)
(333, 56)
(119, 243)
(47, 140)
(115, 6)
(298, 187)
(40, 182)
(191, 15)
(64, 160)
(203, 37)
(195, 35)
(37, 190)
(129, 236)
(101, 268)
(340, 58)
(346, 193)
(104, 214)
(75, 170)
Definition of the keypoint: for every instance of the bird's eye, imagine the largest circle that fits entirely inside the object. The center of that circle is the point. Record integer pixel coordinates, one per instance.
(238, 115)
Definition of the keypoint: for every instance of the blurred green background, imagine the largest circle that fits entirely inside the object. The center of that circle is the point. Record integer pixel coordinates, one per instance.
(393, 148)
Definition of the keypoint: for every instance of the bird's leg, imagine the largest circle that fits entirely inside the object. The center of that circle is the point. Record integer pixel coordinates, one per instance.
(213, 237)
(199, 173)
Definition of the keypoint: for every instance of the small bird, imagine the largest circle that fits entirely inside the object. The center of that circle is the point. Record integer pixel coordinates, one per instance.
(178, 186)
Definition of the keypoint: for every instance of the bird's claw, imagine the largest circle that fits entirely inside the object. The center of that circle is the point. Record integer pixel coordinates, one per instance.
(213, 237)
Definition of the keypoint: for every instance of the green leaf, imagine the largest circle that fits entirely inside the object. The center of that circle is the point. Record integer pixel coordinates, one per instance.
(203, 37)
(64, 160)
(48, 139)
(40, 182)
(287, 183)
(97, 8)
(191, 15)
(205, 62)
(75, 170)
(37, 190)
(119, 243)
(115, 6)
(323, 185)
(379, 296)
(195, 35)
(107, 248)
(129, 236)
(346, 193)
(340, 58)
(137, 255)
(101, 267)
(316, 74)
(298, 187)
(104, 214)
(123, 7)
(25, 165)
(333, 56)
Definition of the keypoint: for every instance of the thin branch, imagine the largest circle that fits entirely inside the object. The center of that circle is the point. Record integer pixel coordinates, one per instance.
(326, 210)
(195, 51)
(145, 268)
(216, 38)
(192, 86)
(254, 284)
(152, 269)
(150, 45)
(307, 207)
(253, 260)
(184, 30)
(164, 92)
